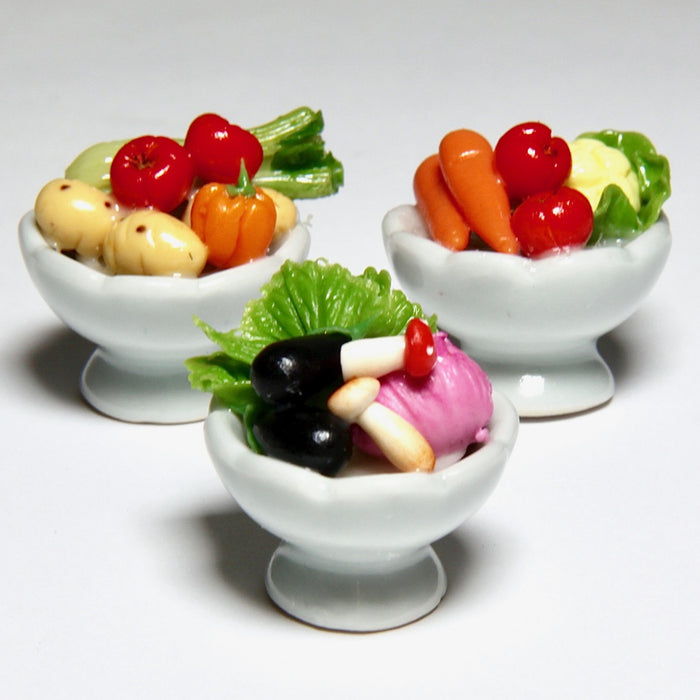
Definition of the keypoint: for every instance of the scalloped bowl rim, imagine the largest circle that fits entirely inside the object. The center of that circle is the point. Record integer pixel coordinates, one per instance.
(516, 269)
(315, 490)
(75, 273)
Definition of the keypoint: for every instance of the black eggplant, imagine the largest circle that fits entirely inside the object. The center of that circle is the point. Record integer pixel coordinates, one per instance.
(290, 372)
(306, 436)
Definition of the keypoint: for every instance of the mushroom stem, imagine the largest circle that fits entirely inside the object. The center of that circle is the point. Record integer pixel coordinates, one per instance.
(399, 441)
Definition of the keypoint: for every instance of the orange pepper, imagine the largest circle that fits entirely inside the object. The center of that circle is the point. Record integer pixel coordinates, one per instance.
(235, 223)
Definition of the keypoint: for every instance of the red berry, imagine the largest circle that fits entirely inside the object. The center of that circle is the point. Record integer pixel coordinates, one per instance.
(218, 146)
(152, 171)
(419, 353)
(531, 160)
(552, 221)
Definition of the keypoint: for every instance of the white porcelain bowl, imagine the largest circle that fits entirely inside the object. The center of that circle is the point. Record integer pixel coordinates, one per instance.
(532, 325)
(143, 326)
(356, 551)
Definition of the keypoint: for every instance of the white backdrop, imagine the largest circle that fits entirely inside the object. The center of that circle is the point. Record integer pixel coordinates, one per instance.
(129, 572)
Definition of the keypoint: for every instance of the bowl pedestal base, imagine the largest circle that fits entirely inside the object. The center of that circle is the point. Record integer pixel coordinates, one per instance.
(559, 385)
(356, 595)
(141, 394)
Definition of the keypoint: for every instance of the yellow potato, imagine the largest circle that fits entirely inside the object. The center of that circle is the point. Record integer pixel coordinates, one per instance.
(73, 215)
(151, 242)
(286, 210)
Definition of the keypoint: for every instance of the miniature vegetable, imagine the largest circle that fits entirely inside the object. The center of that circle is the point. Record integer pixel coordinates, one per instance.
(294, 370)
(553, 221)
(218, 148)
(438, 207)
(531, 160)
(595, 166)
(152, 171)
(236, 223)
(151, 242)
(295, 159)
(93, 164)
(615, 217)
(73, 215)
(286, 210)
(300, 299)
(432, 403)
(625, 180)
(305, 435)
(466, 159)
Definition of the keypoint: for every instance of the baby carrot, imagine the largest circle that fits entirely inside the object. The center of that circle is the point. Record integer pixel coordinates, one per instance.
(436, 205)
(466, 159)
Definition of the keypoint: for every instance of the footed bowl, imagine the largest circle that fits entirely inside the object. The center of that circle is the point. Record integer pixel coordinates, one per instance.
(355, 552)
(533, 325)
(143, 326)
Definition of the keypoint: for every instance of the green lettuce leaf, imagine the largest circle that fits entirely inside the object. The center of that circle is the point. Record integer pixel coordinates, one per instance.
(300, 299)
(614, 217)
(227, 379)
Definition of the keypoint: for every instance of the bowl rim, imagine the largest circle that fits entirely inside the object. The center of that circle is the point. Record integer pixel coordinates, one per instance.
(656, 239)
(222, 424)
(37, 249)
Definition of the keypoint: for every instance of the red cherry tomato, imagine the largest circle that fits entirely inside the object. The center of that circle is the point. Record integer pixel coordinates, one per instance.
(552, 221)
(531, 160)
(217, 147)
(152, 171)
(419, 353)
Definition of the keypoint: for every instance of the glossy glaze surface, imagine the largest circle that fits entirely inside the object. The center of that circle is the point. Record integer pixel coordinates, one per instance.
(143, 325)
(353, 527)
(532, 324)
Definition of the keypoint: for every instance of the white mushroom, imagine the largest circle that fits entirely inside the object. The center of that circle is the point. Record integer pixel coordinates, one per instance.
(399, 441)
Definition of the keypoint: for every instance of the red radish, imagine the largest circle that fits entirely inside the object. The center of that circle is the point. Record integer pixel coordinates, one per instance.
(531, 160)
(551, 221)
(152, 171)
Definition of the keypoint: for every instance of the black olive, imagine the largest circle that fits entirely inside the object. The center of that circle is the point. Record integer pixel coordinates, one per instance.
(290, 372)
(307, 436)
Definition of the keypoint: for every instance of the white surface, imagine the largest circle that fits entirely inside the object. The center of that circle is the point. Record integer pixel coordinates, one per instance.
(533, 325)
(357, 554)
(127, 570)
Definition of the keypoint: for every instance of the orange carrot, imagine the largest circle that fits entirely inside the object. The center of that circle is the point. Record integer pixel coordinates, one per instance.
(466, 159)
(436, 205)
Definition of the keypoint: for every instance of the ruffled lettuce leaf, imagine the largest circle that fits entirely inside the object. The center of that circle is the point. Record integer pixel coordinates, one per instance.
(224, 377)
(300, 299)
(614, 217)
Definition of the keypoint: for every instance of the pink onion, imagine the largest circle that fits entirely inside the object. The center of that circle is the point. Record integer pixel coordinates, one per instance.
(450, 407)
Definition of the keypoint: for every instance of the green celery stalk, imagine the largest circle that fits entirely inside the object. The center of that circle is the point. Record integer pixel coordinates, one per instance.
(299, 124)
(295, 156)
(308, 183)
